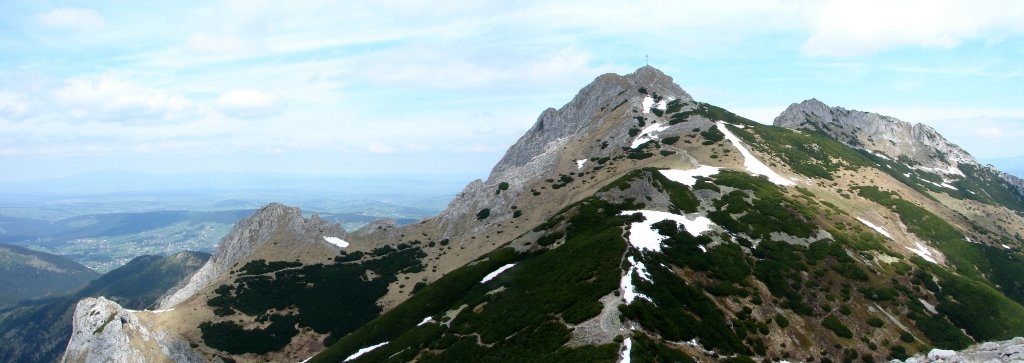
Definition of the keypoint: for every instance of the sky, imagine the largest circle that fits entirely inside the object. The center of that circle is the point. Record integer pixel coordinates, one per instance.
(418, 88)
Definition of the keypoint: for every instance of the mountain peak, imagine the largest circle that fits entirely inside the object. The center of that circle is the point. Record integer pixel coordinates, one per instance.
(273, 224)
(580, 114)
(650, 77)
(593, 125)
(878, 134)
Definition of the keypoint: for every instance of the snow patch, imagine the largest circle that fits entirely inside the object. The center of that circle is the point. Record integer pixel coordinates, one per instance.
(425, 321)
(702, 248)
(689, 177)
(754, 166)
(949, 170)
(943, 185)
(497, 272)
(922, 250)
(336, 241)
(626, 284)
(628, 344)
(647, 103)
(646, 238)
(881, 155)
(640, 269)
(363, 351)
(878, 229)
(579, 163)
(647, 134)
(927, 306)
(1006, 247)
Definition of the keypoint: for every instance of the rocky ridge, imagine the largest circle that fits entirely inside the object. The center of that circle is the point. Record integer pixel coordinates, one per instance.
(879, 134)
(274, 223)
(544, 146)
(915, 154)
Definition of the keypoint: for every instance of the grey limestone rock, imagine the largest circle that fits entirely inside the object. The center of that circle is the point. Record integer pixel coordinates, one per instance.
(881, 134)
(543, 146)
(888, 137)
(991, 352)
(103, 331)
(274, 222)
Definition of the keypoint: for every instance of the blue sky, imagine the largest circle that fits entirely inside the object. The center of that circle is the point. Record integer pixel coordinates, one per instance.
(417, 88)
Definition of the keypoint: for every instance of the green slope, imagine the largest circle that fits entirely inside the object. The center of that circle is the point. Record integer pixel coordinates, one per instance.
(38, 331)
(27, 274)
(735, 294)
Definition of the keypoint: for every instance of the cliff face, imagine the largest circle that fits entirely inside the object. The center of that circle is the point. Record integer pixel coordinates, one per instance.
(602, 107)
(877, 133)
(274, 223)
(103, 331)
(38, 331)
(914, 148)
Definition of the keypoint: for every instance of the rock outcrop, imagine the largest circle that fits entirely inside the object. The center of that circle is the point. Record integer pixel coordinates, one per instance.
(880, 134)
(103, 331)
(544, 145)
(274, 223)
(917, 146)
(991, 352)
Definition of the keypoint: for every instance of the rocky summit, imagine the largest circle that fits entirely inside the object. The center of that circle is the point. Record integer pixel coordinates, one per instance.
(632, 223)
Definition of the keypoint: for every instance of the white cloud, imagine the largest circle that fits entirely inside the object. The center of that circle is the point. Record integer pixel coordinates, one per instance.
(858, 27)
(72, 19)
(453, 66)
(14, 106)
(249, 103)
(381, 148)
(208, 43)
(109, 98)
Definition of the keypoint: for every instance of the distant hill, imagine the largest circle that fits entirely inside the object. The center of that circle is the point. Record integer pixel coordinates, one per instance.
(27, 274)
(1012, 165)
(38, 331)
(104, 225)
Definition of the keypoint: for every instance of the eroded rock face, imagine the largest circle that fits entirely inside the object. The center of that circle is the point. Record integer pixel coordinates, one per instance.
(544, 145)
(576, 118)
(991, 352)
(916, 145)
(272, 223)
(880, 134)
(103, 331)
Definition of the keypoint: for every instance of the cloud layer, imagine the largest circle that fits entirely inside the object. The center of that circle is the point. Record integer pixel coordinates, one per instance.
(360, 85)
